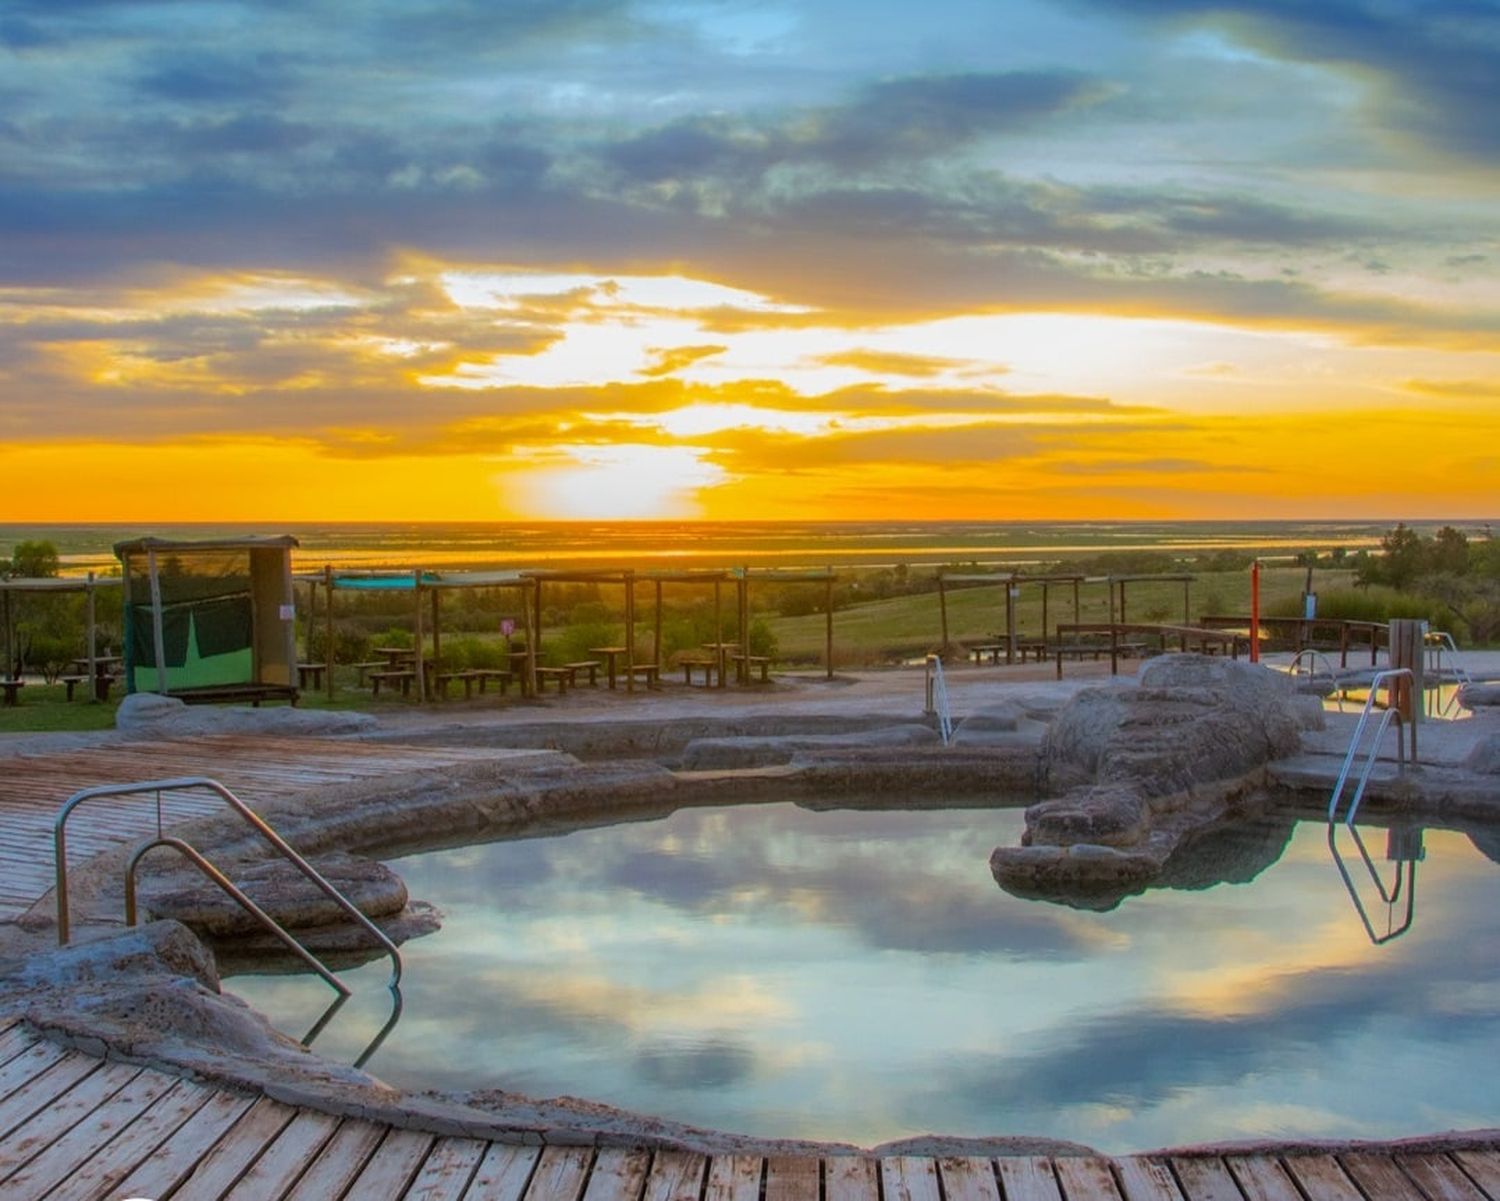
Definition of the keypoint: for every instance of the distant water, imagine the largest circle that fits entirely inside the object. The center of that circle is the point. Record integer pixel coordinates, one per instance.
(718, 544)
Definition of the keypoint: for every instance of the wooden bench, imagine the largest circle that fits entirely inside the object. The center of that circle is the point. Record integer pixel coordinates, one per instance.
(993, 649)
(228, 694)
(403, 678)
(561, 676)
(652, 672)
(483, 675)
(746, 662)
(12, 690)
(310, 671)
(591, 666)
(708, 666)
(362, 668)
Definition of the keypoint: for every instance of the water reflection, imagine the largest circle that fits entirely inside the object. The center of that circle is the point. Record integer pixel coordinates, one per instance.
(1404, 849)
(857, 975)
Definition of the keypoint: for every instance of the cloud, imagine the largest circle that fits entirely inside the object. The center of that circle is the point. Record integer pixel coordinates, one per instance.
(672, 359)
(884, 362)
(1433, 64)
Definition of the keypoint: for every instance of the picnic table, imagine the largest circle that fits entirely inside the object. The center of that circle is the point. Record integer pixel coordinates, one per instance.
(104, 674)
(610, 655)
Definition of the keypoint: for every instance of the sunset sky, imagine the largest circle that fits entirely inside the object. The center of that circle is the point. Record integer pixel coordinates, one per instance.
(475, 259)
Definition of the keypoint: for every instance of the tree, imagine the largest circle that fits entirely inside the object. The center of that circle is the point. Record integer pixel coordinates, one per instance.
(1401, 555)
(1449, 553)
(34, 560)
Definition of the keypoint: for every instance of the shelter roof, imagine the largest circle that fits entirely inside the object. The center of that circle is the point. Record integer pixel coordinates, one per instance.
(995, 577)
(1169, 577)
(406, 581)
(238, 542)
(57, 583)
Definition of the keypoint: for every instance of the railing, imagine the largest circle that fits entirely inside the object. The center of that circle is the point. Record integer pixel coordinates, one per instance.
(1439, 641)
(1311, 657)
(1381, 679)
(1391, 895)
(60, 850)
(937, 698)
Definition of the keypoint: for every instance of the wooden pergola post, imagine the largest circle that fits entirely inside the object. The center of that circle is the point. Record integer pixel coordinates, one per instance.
(93, 639)
(742, 672)
(1010, 620)
(528, 675)
(416, 579)
(629, 578)
(534, 644)
(656, 642)
(828, 605)
(1044, 616)
(437, 636)
(312, 618)
(328, 585)
(719, 626)
(1187, 608)
(943, 610)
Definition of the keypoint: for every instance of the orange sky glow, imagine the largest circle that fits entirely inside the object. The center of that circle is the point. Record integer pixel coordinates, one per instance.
(1166, 261)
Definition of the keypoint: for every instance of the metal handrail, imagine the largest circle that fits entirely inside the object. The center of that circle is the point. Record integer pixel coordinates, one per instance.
(1312, 657)
(1437, 642)
(1381, 678)
(937, 697)
(60, 850)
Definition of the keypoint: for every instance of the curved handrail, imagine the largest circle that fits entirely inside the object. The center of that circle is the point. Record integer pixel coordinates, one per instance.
(182, 783)
(1312, 655)
(1381, 678)
(937, 697)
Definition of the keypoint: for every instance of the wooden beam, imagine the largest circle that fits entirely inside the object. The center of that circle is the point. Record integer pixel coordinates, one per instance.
(827, 604)
(943, 612)
(328, 581)
(416, 577)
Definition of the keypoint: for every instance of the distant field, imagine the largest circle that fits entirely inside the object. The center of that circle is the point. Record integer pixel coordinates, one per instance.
(901, 627)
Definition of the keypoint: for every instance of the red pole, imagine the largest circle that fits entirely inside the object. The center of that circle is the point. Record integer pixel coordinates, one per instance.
(1255, 611)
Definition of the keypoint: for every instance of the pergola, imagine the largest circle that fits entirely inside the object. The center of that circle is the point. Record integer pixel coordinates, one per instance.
(628, 578)
(775, 575)
(423, 585)
(1118, 582)
(1013, 583)
(47, 585)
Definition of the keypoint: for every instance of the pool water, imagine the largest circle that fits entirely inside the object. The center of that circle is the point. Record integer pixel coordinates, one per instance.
(858, 975)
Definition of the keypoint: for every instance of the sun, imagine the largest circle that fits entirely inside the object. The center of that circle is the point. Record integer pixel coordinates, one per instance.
(628, 482)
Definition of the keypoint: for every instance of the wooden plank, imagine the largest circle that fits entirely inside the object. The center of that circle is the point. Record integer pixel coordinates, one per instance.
(30, 1063)
(1205, 1179)
(676, 1176)
(392, 1167)
(64, 1114)
(1262, 1178)
(1321, 1178)
(1028, 1178)
(14, 1038)
(286, 1158)
(619, 1175)
(503, 1173)
(795, 1178)
(1440, 1178)
(1144, 1179)
(94, 1176)
(734, 1178)
(852, 1178)
(44, 1089)
(86, 1137)
(1378, 1176)
(560, 1174)
(1483, 1168)
(340, 1161)
(175, 1158)
(449, 1166)
(242, 1144)
(968, 1178)
(1086, 1178)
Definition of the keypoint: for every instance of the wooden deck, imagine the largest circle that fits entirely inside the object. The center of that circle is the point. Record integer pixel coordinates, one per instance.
(33, 787)
(76, 1128)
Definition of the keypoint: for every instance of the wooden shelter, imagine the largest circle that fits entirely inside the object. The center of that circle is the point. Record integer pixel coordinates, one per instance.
(1117, 584)
(1012, 583)
(210, 619)
(777, 575)
(426, 588)
(51, 585)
